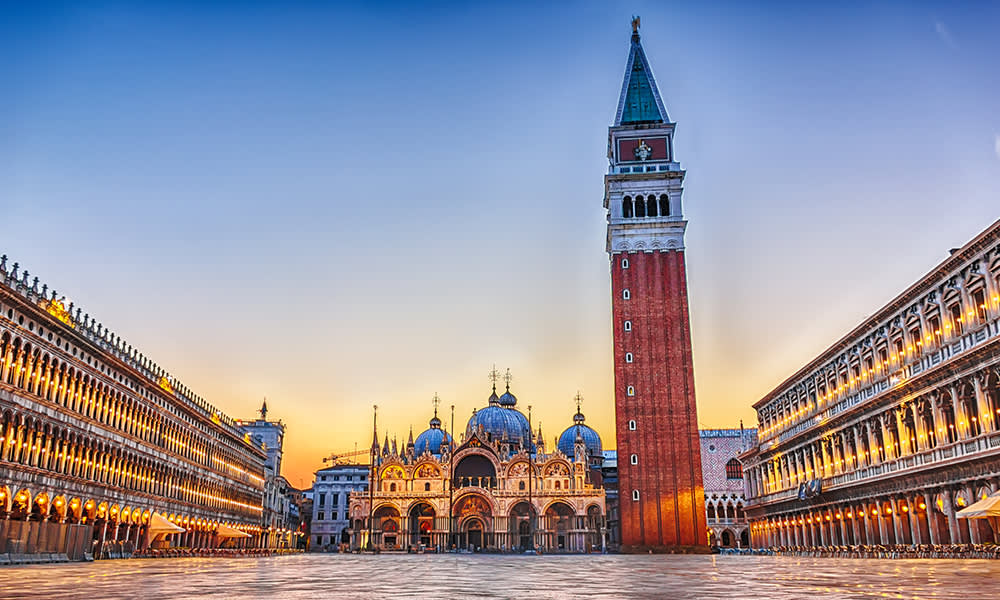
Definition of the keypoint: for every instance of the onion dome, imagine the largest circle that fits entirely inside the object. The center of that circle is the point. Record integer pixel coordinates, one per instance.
(501, 422)
(591, 440)
(509, 400)
(432, 439)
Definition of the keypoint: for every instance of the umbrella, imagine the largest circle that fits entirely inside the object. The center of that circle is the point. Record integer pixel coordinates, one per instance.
(987, 508)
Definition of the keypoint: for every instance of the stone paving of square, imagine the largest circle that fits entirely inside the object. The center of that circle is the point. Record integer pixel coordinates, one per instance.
(493, 576)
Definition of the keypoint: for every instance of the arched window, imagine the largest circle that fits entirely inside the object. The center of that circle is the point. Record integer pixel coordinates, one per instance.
(628, 357)
(640, 207)
(520, 485)
(631, 425)
(427, 487)
(664, 205)
(558, 485)
(734, 470)
(626, 295)
(392, 487)
(624, 263)
(627, 207)
(635, 495)
(634, 459)
(956, 317)
(628, 326)
(651, 205)
(630, 391)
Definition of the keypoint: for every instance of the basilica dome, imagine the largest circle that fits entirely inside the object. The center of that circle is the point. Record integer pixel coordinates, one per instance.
(591, 440)
(431, 439)
(501, 420)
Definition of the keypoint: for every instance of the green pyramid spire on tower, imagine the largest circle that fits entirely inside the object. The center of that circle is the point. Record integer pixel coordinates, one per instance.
(640, 99)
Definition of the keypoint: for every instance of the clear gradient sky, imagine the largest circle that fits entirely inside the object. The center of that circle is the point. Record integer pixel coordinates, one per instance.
(337, 205)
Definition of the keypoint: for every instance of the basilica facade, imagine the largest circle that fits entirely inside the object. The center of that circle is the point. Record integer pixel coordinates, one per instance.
(496, 489)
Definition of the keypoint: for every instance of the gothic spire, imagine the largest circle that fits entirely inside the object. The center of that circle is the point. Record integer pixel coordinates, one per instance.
(640, 100)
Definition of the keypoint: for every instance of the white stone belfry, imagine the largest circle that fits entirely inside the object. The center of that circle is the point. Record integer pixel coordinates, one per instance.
(642, 190)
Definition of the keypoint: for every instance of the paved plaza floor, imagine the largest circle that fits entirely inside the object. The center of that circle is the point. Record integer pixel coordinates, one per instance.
(486, 576)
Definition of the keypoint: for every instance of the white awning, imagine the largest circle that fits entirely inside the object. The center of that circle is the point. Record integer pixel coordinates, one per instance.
(159, 524)
(225, 531)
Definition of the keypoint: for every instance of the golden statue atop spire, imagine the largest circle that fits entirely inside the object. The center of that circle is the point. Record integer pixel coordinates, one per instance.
(635, 24)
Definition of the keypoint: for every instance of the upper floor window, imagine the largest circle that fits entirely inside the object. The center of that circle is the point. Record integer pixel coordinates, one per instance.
(624, 263)
(628, 357)
(979, 304)
(635, 495)
(634, 459)
(631, 425)
(627, 207)
(664, 205)
(734, 470)
(935, 325)
(956, 317)
(630, 391)
(626, 295)
(628, 326)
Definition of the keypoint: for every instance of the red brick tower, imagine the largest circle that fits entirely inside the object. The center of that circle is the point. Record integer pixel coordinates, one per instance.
(659, 460)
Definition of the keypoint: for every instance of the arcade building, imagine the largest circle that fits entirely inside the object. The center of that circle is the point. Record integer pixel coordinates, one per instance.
(497, 489)
(102, 451)
(887, 434)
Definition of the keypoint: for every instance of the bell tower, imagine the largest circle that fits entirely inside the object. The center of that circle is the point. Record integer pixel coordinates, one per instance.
(659, 456)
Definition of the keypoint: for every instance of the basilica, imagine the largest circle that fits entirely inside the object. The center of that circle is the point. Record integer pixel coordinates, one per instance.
(496, 489)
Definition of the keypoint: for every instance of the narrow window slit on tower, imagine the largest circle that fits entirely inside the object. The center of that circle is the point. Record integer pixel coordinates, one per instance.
(628, 325)
(626, 295)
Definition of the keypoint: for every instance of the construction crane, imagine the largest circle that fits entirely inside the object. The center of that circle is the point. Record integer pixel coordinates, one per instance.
(341, 458)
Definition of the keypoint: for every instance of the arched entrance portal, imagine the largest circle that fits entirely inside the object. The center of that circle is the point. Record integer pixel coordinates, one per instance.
(474, 534)
(387, 526)
(421, 524)
(521, 521)
(558, 522)
(474, 515)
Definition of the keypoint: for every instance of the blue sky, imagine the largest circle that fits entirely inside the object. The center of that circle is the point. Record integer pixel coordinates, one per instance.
(340, 205)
